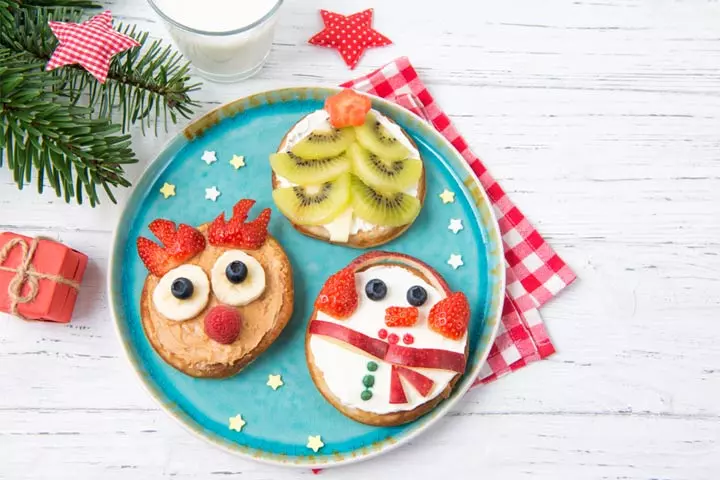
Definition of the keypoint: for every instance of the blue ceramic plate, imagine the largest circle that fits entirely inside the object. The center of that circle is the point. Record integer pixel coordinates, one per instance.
(279, 422)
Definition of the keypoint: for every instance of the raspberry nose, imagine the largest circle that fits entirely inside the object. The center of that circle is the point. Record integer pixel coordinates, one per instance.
(222, 324)
(401, 316)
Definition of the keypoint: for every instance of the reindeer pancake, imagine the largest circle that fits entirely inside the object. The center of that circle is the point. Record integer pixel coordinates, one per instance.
(216, 296)
(387, 340)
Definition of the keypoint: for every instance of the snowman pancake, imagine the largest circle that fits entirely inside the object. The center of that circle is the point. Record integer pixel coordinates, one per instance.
(387, 340)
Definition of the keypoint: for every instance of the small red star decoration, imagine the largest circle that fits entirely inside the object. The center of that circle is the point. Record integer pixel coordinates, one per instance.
(350, 35)
(91, 44)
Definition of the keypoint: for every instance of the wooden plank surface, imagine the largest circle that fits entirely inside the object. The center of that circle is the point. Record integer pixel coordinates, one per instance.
(602, 118)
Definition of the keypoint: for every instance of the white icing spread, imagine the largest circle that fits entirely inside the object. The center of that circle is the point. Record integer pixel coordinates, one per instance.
(318, 120)
(339, 228)
(344, 367)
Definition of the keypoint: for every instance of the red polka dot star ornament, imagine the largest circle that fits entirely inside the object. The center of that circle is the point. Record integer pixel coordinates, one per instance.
(350, 35)
(91, 44)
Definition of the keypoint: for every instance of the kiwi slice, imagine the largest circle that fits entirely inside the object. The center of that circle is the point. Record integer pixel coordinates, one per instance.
(314, 205)
(394, 176)
(324, 143)
(376, 138)
(308, 172)
(388, 210)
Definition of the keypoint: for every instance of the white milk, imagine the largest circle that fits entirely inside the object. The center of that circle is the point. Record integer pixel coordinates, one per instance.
(226, 40)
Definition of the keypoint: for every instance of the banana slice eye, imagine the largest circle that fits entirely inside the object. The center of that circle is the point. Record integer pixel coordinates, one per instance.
(182, 293)
(237, 278)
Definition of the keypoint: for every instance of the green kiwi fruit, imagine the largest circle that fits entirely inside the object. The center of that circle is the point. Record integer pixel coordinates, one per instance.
(314, 205)
(385, 209)
(376, 138)
(324, 143)
(308, 172)
(394, 176)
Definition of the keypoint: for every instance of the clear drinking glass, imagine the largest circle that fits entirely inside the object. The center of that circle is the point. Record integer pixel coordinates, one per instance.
(221, 56)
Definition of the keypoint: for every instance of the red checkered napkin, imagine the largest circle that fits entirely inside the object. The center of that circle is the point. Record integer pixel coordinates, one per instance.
(535, 273)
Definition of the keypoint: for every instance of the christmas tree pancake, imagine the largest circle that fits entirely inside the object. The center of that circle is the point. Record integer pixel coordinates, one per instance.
(217, 295)
(387, 339)
(347, 174)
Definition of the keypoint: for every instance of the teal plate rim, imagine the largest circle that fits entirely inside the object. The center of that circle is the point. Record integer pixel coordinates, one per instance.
(466, 180)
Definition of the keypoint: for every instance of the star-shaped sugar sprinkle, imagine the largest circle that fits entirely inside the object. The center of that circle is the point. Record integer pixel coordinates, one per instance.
(447, 196)
(315, 443)
(350, 35)
(168, 190)
(90, 44)
(455, 261)
(212, 193)
(455, 225)
(274, 382)
(237, 161)
(209, 157)
(236, 423)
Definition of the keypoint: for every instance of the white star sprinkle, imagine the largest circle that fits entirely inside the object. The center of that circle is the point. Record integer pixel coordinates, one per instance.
(455, 225)
(455, 261)
(212, 193)
(209, 156)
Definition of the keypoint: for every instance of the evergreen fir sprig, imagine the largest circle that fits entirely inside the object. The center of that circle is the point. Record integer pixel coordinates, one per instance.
(59, 125)
(41, 133)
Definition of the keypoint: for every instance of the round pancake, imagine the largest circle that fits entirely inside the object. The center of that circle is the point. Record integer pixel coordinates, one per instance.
(185, 346)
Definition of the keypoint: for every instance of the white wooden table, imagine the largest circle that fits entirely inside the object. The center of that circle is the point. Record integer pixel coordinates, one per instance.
(602, 118)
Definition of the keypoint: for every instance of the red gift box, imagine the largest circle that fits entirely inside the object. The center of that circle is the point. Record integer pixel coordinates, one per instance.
(39, 277)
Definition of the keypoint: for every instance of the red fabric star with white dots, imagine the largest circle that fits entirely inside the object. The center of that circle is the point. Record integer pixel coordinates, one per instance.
(91, 44)
(350, 35)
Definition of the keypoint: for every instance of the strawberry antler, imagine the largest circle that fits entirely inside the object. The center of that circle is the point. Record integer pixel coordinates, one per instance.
(179, 245)
(235, 232)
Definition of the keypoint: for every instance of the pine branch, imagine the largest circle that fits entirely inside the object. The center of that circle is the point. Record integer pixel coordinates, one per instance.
(143, 82)
(57, 126)
(66, 147)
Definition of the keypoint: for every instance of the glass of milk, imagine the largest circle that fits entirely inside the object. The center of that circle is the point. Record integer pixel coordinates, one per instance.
(225, 40)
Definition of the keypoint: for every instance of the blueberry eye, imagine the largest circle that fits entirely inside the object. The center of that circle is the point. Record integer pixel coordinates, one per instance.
(416, 295)
(236, 272)
(375, 289)
(182, 288)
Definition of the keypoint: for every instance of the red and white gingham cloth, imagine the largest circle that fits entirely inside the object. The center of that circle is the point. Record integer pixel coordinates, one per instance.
(535, 273)
(91, 44)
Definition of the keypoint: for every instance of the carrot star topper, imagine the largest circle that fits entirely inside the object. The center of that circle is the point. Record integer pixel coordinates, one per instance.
(91, 44)
(350, 35)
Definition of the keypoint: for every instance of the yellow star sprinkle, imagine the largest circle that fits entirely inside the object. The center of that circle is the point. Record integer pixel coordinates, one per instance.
(236, 423)
(168, 190)
(447, 196)
(237, 161)
(274, 382)
(315, 443)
